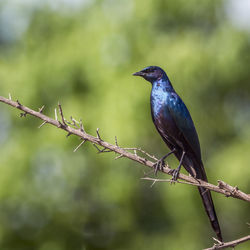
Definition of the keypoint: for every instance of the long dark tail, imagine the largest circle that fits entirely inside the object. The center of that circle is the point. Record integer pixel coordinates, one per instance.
(209, 207)
(198, 171)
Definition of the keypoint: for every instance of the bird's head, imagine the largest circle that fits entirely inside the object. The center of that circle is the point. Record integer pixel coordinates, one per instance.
(151, 73)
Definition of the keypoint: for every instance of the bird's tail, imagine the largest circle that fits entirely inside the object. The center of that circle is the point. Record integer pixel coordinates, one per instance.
(209, 207)
(197, 170)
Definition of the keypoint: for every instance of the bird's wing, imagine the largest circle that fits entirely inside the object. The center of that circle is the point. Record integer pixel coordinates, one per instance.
(184, 123)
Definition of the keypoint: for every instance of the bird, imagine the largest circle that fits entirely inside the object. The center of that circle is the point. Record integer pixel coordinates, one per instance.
(176, 127)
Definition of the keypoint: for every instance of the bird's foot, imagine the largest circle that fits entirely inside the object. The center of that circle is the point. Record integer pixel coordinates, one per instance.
(159, 165)
(175, 174)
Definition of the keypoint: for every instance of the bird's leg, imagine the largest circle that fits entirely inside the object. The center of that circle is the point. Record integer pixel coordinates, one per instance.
(160, 163)
(175, 172)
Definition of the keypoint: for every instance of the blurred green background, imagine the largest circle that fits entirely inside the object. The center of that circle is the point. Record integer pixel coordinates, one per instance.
(83, 53)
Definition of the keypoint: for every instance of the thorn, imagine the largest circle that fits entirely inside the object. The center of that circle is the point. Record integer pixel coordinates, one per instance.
(81, 126)
(118, 157)
(41, 109)
(98, 135)
(104, 150)
(56, 114)
(218, 241)
(96, 148)
(61, 113)
(42, 124)
(10, 97)
(79, 146)
(68, 134)
(116, 143)
(74, 122)
(59, 124)
(152, 183)
(23, 114)
(18, 103)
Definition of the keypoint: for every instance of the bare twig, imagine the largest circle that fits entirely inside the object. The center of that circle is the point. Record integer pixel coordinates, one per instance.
(234, 243)
(222, 188)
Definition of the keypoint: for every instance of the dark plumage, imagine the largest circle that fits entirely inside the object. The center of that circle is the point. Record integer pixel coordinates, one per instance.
(175, 125)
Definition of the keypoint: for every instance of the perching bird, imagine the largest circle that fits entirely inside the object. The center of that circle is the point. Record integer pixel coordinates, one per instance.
(175, 125)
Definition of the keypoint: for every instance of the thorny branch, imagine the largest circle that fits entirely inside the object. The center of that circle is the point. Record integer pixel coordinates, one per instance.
(76, 128)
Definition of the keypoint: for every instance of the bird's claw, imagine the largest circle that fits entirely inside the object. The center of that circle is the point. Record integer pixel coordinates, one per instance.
(175, 174)
(158, 166)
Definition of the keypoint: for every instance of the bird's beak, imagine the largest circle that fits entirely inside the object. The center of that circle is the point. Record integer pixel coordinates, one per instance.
(139, 73)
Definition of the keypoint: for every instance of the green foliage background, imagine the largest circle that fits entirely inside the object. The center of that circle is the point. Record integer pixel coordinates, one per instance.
(84, 57)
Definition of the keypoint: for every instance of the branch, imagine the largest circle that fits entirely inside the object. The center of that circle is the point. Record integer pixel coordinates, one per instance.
(79, 131)
(234, 243)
